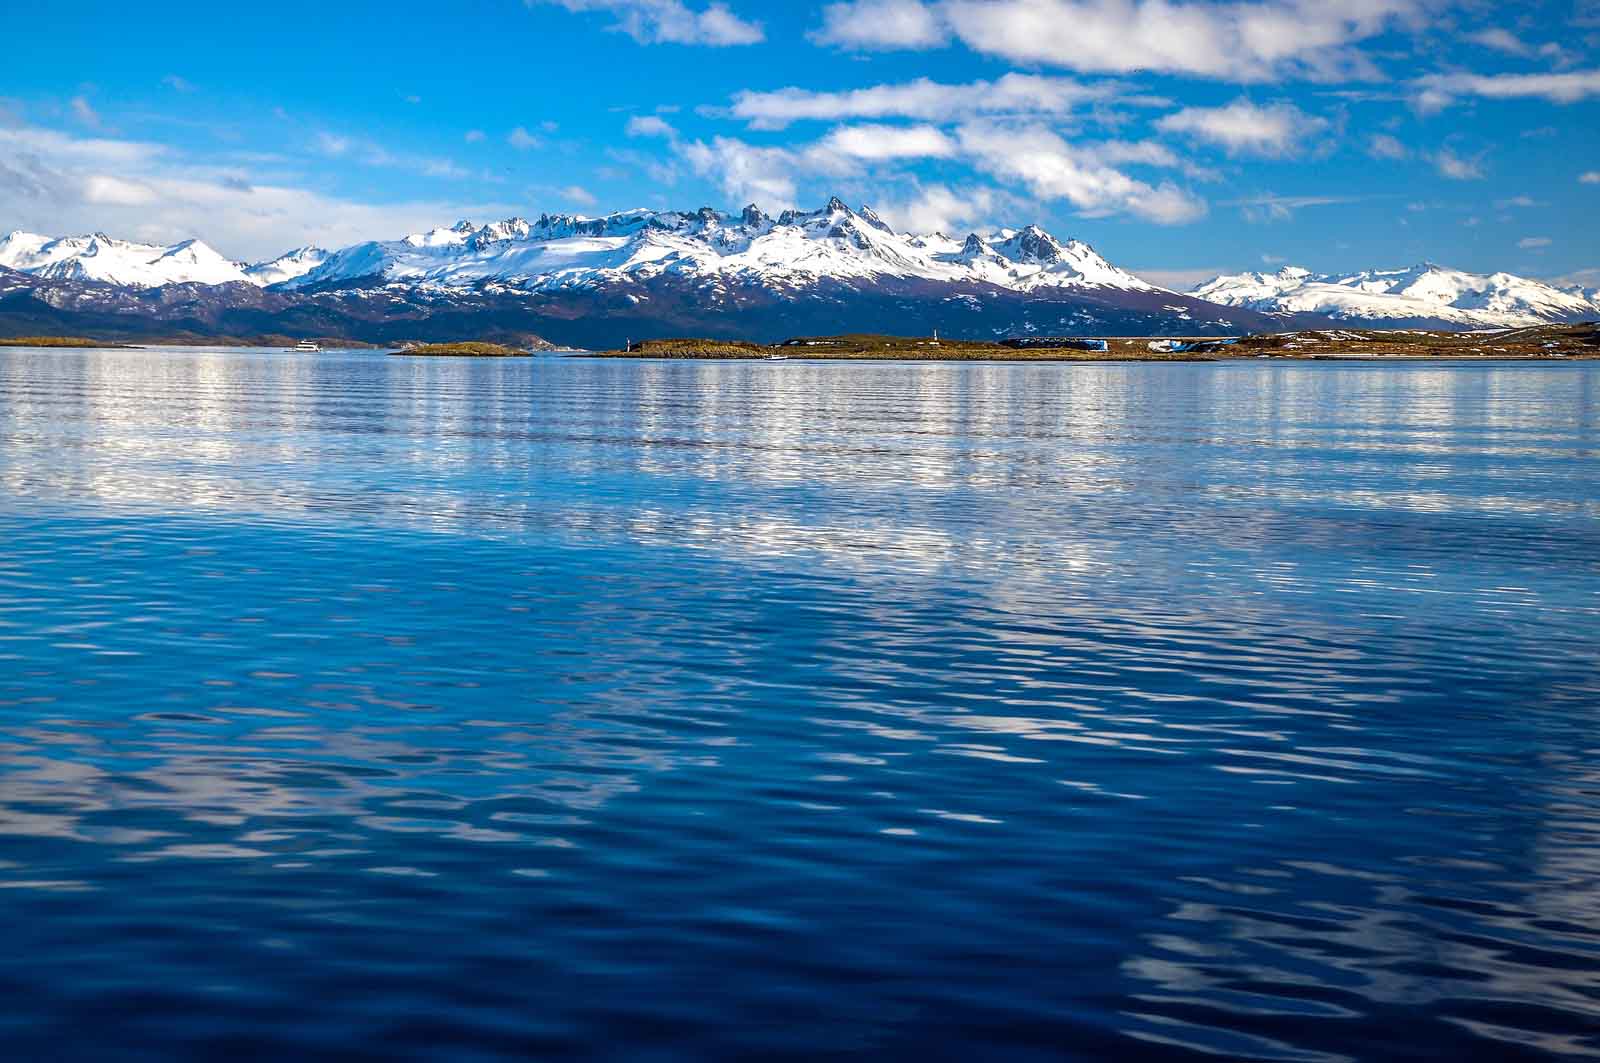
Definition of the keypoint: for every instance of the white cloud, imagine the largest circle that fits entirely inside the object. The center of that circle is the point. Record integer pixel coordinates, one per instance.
(881, 24)
(578, 194)
(58, 184)
(764, 176)
(880, 143)
(1033, 157)
(1012, 94)
(1590, 178)
(177, 84)
(1237, 41)
(671, 21)
(1052, 169)
(1244, 128)
(1384, 146)
(1453, 166)
(650, 126)
(523, 140)
(475, 136)
(938, 208)
(1436, 91)
(1533, 243)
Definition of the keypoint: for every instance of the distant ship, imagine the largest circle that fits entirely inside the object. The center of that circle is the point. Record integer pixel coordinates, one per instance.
(307, 346)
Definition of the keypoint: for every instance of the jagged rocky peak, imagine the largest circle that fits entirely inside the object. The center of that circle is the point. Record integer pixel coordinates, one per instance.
(463, 226)
(509, 229)
(836, 206)
(753, 217)
(975, 245)
(1036, 245)
(870, 216)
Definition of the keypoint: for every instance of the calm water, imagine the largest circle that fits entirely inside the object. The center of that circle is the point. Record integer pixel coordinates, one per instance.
(560, 708)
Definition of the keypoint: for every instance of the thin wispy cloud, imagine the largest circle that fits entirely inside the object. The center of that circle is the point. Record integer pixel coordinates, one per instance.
(84, 113)
(670, 21)
(1269, 207)
(1457, 168)
(1437, 91)
(923, 99)
(1386, 146)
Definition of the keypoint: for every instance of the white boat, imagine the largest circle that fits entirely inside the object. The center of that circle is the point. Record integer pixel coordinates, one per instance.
(307, 347)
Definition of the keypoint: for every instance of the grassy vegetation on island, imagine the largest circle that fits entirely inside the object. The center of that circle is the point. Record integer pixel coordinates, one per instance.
(462, 350)
(1537, 342)
(55, 341)
(867, 347)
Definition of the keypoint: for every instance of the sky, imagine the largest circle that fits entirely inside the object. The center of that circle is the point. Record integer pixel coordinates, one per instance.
(1181, 139)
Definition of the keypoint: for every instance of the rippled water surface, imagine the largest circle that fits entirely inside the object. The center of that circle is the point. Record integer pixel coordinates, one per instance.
(564, 708)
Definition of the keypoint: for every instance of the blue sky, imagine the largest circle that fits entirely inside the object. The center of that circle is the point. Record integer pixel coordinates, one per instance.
(1181, 139)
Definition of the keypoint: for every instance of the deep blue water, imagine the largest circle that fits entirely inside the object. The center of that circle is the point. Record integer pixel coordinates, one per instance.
(391, 709)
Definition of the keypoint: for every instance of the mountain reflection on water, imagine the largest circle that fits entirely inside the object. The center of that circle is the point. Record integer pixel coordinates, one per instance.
(413, 709)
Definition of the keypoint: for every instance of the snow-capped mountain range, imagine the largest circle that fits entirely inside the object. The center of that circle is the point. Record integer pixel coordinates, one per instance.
(793, 250)
(592, 281)
(98, 257)
(1424, 293)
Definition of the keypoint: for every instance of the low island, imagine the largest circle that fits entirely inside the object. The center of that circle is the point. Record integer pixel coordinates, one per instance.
(462, 350)
(1533, 343)
(76, 342)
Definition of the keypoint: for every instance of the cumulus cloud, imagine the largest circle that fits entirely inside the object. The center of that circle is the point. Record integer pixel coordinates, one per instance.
(523, 140)
(1239, 41)
(745, 171)
(58, 184)
(671, 21)
(650, 126)
(1436, 91)
(1031, 157)
(880, 143)
(923, 99)
(939, 208)
(881, 24)
(1244, 128)
(1050, 168)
